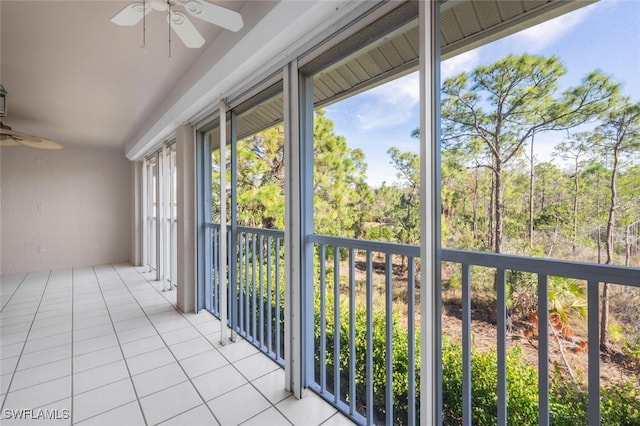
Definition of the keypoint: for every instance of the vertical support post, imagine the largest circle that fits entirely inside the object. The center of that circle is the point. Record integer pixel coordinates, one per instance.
(150, 214)
(298, 121)
(292, 230)
(137, 201)
(222, 253)
(411, 331)
(172, 217)
(145, 215)
(190, 218)
(206, 248)
(501, 325)
(158, 216)
(305, 93)
(233, 260)
(543, 350)
(593, 337)
(166, 220)
(430, 251)
(466, 345)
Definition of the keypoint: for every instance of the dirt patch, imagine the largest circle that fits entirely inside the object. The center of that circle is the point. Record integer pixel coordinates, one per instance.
(614, 365)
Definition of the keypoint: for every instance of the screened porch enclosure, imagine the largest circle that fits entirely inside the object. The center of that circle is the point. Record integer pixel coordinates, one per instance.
(357, 321)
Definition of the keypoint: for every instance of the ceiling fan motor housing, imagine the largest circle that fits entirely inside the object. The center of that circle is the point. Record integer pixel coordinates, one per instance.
(3, 101)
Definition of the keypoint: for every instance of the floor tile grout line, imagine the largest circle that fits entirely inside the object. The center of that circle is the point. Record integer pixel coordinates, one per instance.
(18, 323)
(337, 413)
(14, 291)
(13, 374)
(36, 338)
(105, 412)
(104, 385)
(45, 349)
(68, 375)
(167, 346)
(42, 382)
(163, 389)
(214, 347)
(135, 391)
(178, 415)
(41, 365)
(264, 411)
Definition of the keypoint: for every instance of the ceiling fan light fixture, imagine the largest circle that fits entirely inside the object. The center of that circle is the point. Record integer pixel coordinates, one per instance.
(3, 101)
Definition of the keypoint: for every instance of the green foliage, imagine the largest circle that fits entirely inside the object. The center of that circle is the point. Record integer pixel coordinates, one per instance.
(381, 232)
(261, 179)
(407, 205)
(495, 109)
(619, 403)
(628, 338)
(379, 378)
(340, 189)
(567, 298)
(522, 398)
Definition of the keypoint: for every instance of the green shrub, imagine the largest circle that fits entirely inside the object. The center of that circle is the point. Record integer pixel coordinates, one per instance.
(620, 403)
(522, 387)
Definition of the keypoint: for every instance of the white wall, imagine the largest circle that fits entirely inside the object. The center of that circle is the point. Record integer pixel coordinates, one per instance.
(63, 208)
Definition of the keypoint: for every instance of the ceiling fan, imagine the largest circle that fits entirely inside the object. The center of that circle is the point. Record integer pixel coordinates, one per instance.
(178, 21)
(8, 137)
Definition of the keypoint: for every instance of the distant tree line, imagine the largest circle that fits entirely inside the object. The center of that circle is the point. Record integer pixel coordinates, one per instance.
(496, 195)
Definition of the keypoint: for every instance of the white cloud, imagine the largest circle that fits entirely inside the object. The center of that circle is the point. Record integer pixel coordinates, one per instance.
(542, 35)
(390, 104)
(399, 91)
(464, 62)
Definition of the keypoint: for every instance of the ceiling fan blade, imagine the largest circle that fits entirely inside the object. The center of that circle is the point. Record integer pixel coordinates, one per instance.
(185, 30)
(11, 138)
(131, 14)
(214, 14)
(7, 141)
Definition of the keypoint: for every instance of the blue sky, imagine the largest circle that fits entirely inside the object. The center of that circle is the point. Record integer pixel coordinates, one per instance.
(603, 36)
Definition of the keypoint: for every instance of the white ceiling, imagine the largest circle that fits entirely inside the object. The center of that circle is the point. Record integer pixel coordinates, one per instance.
(76, 78)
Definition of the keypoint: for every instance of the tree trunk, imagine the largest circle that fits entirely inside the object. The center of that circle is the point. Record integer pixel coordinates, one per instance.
(475, 204)
(604, 318)
(499, 213)
(598, 216)
(576, 183)
(627, 246)
(531, 183)
(492, 204)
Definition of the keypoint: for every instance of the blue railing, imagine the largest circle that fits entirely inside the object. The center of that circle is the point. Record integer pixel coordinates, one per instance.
(358, 289)
(592, 274)
(260, 289)
(255, 296)
(350, 386)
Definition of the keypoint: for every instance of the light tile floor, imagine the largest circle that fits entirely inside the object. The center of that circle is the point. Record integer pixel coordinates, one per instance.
(104, 345)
